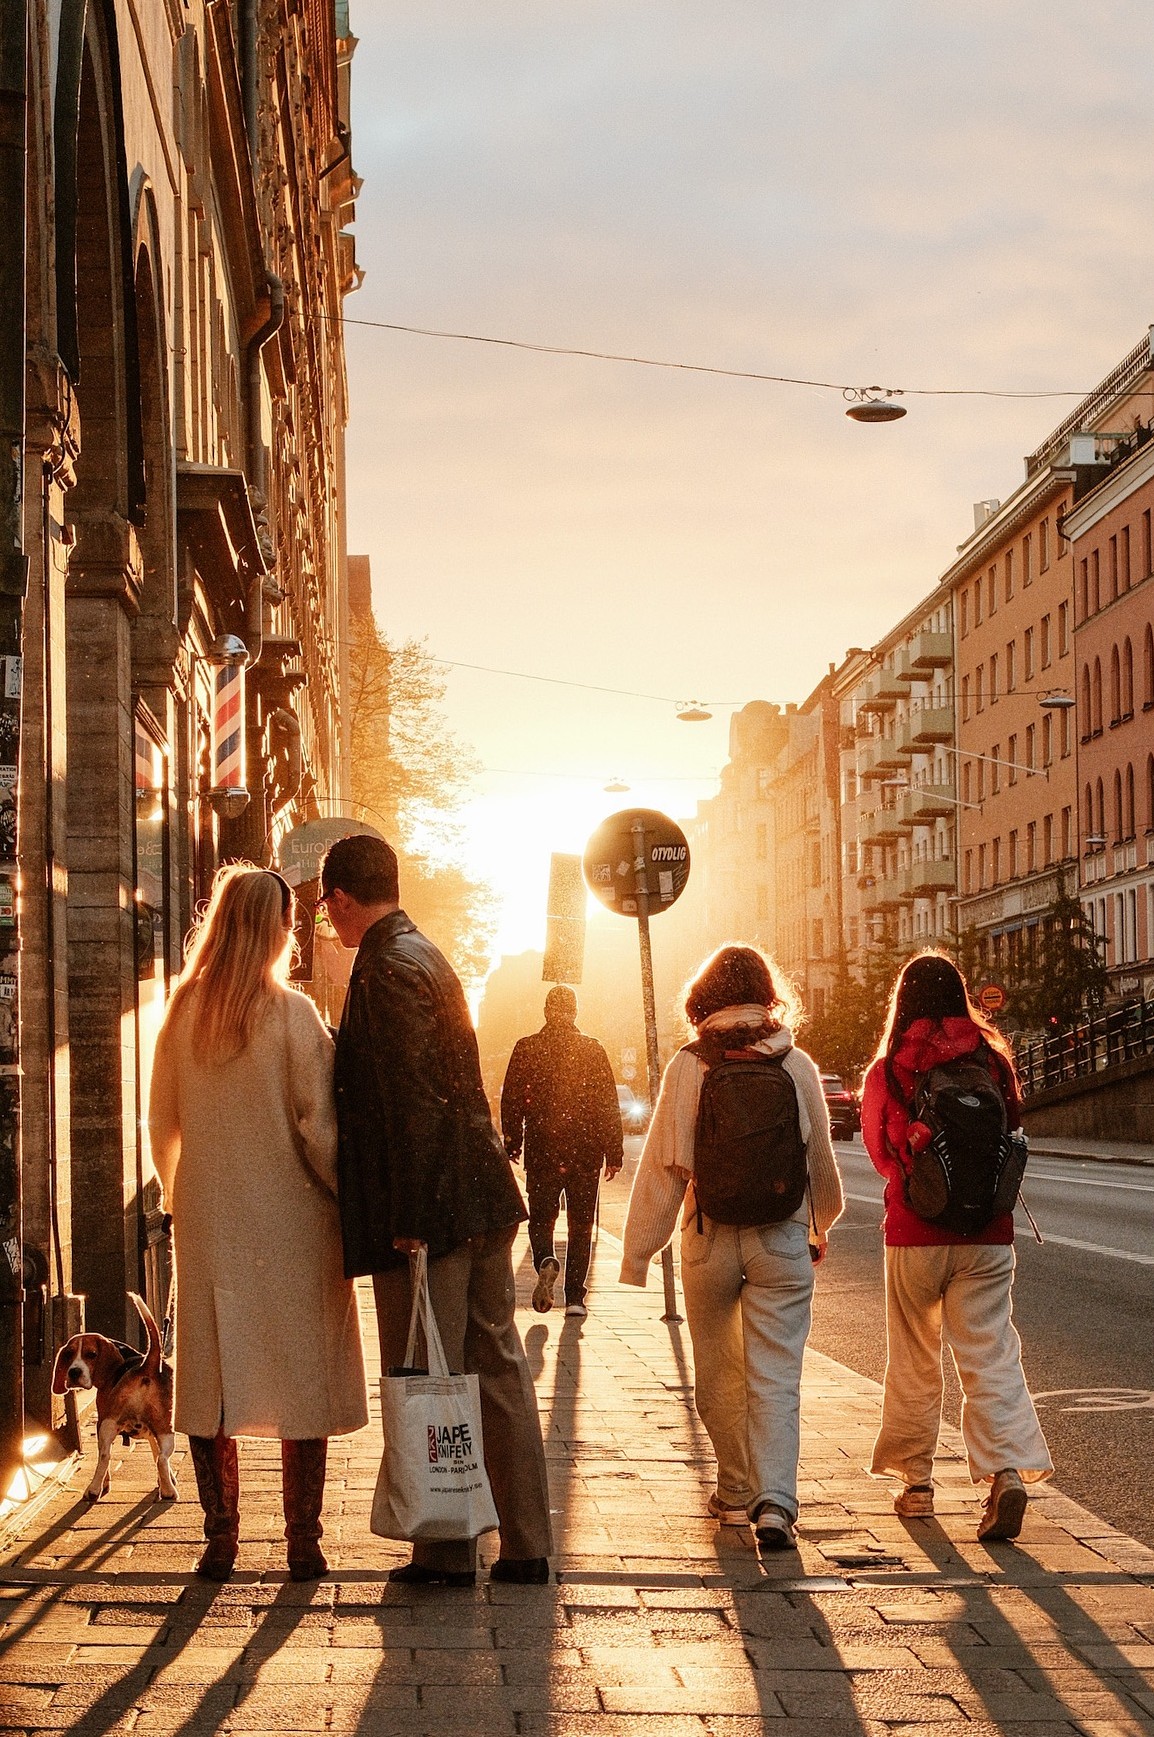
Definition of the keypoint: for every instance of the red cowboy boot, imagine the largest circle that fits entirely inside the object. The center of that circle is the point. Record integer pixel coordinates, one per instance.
(218, 1486)
(303, 1473)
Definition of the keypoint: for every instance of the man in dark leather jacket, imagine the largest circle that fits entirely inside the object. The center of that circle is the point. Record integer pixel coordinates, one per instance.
(420, 1162)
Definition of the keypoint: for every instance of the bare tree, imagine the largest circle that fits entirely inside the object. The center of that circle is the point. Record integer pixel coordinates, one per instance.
(412, 775)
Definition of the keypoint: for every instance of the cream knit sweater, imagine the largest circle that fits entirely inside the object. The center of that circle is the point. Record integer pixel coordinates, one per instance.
(666, 1166)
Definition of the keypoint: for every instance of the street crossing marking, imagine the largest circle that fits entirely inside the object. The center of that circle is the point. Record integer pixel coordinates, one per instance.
(1091, 1182)
(1121, 1254)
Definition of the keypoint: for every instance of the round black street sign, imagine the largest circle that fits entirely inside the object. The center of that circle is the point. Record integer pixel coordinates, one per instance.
(610, 861)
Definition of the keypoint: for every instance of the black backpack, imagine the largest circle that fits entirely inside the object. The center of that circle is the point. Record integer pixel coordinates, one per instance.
(749, 1162)
(971, 1171)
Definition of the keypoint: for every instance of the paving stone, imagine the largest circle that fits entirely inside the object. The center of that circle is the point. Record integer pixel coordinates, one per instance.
(668, 1626)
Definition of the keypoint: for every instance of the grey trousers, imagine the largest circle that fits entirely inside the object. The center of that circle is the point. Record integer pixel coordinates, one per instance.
(473, 1299)
(748, 1295)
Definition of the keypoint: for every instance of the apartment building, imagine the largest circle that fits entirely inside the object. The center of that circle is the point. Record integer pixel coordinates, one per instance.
(732, 844)
(897, 769)
(1013, 587)
(805, 788)
(1112, 558)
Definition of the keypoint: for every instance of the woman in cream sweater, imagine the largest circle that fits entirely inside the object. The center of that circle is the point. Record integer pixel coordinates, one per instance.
(244, 1138)
(748, 1289)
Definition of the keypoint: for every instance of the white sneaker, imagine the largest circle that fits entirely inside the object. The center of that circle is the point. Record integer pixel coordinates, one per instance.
(577, 1311)
(773, 1529)
(547, 1277)
(724, 1514)
(915, 1502)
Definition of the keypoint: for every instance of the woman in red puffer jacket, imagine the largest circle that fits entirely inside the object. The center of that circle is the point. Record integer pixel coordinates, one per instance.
(943, 1285)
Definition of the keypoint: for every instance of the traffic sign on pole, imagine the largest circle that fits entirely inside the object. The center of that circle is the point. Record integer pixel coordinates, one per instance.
(611, 867)
(991, 998)
(637, 862)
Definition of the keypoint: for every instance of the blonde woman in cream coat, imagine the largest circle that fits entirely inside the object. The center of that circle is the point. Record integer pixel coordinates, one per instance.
(748, 1289)
(244, 1138)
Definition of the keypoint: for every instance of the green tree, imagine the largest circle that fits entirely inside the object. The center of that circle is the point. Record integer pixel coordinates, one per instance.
(411, 776)
(1067, 977)
(843, 1040)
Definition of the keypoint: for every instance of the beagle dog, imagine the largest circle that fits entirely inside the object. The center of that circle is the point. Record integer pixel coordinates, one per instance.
(133, 1396)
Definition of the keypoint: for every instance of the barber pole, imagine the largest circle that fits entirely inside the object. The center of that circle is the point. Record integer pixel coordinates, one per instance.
(228, 729)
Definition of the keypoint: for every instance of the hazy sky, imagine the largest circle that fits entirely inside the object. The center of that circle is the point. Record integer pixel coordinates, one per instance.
(914, 195)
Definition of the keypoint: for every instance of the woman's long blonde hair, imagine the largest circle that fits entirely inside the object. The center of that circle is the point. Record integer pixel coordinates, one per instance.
(237, 954)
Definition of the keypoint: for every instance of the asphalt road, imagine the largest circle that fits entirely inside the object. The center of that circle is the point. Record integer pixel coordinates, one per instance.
(1084, 1304)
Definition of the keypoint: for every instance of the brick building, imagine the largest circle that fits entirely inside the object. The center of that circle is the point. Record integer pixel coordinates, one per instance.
(1016, 617)
(190, 188)
(1112, 557)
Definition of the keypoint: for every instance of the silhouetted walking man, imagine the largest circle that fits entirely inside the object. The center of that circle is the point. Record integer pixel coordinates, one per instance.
(559, 1105)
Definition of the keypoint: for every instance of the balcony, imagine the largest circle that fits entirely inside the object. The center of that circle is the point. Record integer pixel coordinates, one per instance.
(907, 745)
(867, 753)
(933, 724)
(889, 755)
(887, 894)
(883, 689)
(883, 826)
(926, 652)
(929, 802)
(927, 878)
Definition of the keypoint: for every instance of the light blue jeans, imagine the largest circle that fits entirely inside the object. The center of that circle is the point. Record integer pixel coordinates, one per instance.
(748, 1300)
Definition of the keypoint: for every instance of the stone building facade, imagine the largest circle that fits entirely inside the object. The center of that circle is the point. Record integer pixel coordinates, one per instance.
(190, 192)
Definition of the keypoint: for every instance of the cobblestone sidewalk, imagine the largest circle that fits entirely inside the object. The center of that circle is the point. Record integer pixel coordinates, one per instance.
(662, 1625)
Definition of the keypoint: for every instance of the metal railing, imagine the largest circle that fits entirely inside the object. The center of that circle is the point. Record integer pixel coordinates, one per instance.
(1099, 1042)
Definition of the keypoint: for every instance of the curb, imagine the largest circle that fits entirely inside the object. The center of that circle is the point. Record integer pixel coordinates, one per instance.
(1092, 1157)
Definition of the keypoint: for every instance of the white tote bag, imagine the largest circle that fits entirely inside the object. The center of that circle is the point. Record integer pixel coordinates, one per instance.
(432, 1483)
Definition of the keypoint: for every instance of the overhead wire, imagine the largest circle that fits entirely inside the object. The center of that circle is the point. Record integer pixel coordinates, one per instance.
(524, 675)
(704, 367)
(599, 777)
(564, 682)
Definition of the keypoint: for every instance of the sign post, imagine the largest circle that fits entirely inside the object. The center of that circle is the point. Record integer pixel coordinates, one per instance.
(652, 1059)
(991, 998)
(637, 863)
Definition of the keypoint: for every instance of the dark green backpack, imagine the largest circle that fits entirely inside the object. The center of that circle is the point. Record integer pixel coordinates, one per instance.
(749, 1159)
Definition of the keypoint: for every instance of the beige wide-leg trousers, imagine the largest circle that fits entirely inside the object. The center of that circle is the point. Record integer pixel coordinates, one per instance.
(960, 1294)
(473, 1297)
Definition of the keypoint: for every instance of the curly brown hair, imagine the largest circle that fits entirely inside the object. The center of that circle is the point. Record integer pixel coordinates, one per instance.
(734, 977)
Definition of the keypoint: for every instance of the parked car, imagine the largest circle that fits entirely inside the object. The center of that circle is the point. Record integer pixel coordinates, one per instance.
(844, 1109)
(634, 1111)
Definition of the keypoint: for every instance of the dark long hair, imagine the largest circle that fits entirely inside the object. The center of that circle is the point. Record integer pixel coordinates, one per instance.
(735, 976)
(930, 986)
